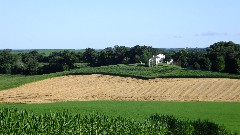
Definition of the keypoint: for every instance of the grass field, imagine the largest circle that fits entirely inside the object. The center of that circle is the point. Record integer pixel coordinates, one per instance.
(162, 71)
(12, 81)
(227, 114)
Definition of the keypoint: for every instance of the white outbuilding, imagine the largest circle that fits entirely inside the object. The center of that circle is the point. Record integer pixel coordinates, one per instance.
(158, 59)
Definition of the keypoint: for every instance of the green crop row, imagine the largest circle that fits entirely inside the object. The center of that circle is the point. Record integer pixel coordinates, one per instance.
(163, 71)
(13, 121)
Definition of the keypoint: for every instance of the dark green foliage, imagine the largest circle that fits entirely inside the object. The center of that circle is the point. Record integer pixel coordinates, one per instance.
(7, 60)
(60, 61)
(121, 54)
(140, 54)
(206, 64)
(23, 122)
(223, 56)
(220, 57)
(196, 65)
(30, 63)
(237, 65)
(26, 63)
(90, 56)
(218, 64)
(106, 57)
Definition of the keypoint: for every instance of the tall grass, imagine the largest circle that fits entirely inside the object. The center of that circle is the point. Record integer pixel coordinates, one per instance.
(13, 121)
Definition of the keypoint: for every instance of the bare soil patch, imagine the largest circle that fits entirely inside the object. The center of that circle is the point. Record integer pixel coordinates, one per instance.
(105, 87)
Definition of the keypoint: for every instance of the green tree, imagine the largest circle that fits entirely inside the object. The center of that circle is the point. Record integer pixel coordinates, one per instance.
(90, 56)
(206, 63)
(219, 64)
(223, 51)
(30, 63)
(140, 54)
(196, 65)
(106, 57)
(7, 61)
(121, 54)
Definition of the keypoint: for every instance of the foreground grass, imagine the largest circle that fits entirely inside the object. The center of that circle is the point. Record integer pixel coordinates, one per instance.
(226, 114)
(23, 122)
(11, 81)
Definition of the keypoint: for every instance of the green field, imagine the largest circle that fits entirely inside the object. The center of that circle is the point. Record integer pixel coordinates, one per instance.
(227, 114)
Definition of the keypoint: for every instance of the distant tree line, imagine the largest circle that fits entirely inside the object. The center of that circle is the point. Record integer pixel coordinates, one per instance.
(220, 57)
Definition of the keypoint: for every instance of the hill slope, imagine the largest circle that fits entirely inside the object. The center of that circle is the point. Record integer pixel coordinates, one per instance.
(105, 87)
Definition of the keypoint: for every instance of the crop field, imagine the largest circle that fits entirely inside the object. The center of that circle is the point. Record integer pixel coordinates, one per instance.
(143, 72)
(23, 122)
(106, 87)
(142, 87)
(165, 71)
(222, 113)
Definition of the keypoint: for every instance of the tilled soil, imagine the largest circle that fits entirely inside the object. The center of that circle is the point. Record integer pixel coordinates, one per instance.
(105, 87)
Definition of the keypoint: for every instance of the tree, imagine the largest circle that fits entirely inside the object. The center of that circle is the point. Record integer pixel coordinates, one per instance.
(7, 61)
(196, 65)
(90, 56)
(219, 64)
(60, 61)
(223, 52)
(237, 66)
(106, 57)
(140, 54)
(30, 63)
(181, 58)
(206, 64)
(121, 54)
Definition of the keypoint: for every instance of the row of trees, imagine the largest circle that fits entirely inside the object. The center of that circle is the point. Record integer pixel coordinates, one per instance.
(220, 57)
(118, 55)
(36, 63)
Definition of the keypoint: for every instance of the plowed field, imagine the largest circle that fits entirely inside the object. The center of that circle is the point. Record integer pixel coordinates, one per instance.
(105, 87)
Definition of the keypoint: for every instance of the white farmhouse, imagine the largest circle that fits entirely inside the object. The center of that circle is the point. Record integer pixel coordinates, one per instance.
(156, 60)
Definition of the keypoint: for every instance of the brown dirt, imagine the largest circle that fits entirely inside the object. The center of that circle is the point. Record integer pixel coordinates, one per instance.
(105, 87)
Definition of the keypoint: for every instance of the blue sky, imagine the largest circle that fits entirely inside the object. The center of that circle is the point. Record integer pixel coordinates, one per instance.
(78, 24)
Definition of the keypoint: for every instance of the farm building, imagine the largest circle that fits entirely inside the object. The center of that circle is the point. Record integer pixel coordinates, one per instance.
(158, 59)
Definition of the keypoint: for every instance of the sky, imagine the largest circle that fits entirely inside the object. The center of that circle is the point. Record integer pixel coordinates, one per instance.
(80, 24)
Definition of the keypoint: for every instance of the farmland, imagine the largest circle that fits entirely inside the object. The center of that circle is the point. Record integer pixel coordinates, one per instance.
(164, 71)
(226, 114)
(107, 87)
(222, 113)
